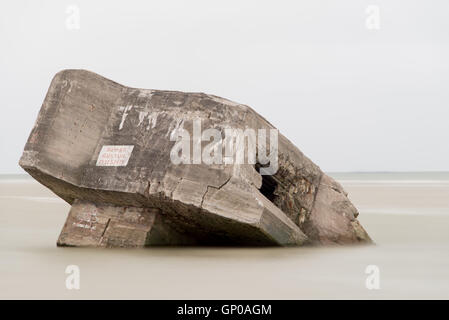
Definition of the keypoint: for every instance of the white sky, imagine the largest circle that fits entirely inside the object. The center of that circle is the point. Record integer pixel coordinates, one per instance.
(352, 99)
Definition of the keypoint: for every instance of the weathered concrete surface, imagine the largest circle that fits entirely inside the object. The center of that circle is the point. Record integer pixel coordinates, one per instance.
(142, 198)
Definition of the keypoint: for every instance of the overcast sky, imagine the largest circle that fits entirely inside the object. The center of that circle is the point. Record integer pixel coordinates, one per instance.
(355, 91)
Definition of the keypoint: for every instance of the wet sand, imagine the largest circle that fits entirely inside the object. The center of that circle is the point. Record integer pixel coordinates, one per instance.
(406, 214)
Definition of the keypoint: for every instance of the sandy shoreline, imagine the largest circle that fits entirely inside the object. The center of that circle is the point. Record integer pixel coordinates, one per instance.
(407, 218)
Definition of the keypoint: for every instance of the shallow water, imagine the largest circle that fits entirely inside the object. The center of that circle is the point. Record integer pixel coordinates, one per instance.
(406, 214)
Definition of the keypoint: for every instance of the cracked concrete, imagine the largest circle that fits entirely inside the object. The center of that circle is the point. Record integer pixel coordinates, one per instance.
(217, 188)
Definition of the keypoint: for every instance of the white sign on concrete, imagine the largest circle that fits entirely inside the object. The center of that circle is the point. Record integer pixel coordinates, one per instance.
(114, 156)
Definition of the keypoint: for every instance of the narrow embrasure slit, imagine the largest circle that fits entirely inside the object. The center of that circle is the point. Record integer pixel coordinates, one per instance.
(269, 185)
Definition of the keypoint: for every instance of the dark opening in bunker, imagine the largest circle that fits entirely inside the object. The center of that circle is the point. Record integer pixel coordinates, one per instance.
(269, 184)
